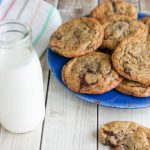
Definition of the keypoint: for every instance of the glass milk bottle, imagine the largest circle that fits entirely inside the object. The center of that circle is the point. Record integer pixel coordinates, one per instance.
(22, 106)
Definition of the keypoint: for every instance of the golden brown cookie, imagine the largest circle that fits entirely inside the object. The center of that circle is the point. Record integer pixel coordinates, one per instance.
(133, 88)
(77, 37)
(125, 135)
(119, 27)
(131, 59)
(112, 7)
(92, 73)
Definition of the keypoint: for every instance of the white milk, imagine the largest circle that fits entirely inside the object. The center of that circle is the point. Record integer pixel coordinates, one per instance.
(22, 105)
(21, 90)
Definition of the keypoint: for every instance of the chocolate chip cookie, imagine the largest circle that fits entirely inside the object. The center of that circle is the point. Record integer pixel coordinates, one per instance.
(131, 59)
(125, 135)
(133, 88)
(111, 7)
(119, 27)
(77, 37)
(92, 74)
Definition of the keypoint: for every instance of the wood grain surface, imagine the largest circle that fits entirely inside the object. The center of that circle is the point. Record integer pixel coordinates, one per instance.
(71, 123)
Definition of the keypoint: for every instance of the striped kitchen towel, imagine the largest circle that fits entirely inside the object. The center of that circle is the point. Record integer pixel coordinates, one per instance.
(43, 18)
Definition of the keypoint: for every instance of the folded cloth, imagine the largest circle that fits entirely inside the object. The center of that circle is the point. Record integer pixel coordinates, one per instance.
(43, 18)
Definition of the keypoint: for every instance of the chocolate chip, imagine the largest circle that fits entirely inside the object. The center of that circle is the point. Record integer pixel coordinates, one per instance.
(87, 66)
(127, 70)
(110, 144)
(114, 6)
(120, 26)
(89, 69)
(77, 32)
(83, 83)
(125, 147)
(58, 36)
(109, 133)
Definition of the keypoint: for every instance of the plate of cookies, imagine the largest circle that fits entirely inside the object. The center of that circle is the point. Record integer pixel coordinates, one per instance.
(104, 58)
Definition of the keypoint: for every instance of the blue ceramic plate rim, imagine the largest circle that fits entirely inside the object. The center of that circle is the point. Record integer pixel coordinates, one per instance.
(109, 99)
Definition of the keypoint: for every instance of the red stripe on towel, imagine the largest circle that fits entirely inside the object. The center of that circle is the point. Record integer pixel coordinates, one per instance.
(35, 12)
(8, 10)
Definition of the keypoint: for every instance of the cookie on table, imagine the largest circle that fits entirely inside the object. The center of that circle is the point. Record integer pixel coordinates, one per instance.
(131, 59)
(92, 74)
(77, 37)
(112, 7)
(133, 88)
(125, 135)
(119, 27)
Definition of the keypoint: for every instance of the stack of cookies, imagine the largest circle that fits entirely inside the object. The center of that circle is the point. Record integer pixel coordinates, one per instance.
(110, 49)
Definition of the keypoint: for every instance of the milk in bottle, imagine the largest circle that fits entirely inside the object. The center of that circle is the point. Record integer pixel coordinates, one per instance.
(21, 85)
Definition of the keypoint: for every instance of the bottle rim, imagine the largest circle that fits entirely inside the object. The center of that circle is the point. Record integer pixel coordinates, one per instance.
(26, 33)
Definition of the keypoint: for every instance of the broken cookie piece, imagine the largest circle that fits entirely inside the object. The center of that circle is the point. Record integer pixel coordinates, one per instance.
(125, 135)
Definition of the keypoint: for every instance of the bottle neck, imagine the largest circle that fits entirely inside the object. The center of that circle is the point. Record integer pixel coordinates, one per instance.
(14, 35)
(15, 44)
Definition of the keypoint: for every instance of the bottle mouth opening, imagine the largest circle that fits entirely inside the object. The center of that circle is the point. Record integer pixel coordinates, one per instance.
(14, 33)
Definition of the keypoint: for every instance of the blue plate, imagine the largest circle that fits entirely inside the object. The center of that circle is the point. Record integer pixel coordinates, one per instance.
(109, 99)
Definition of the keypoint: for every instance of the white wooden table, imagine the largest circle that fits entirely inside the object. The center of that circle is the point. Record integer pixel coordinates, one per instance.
(71, 123)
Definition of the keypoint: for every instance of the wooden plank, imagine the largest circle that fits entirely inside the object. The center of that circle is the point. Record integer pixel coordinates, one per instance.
(70, 123)
(29, 141)
(145, 6)
(45, 71)
(70, 9)
(110, 114)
